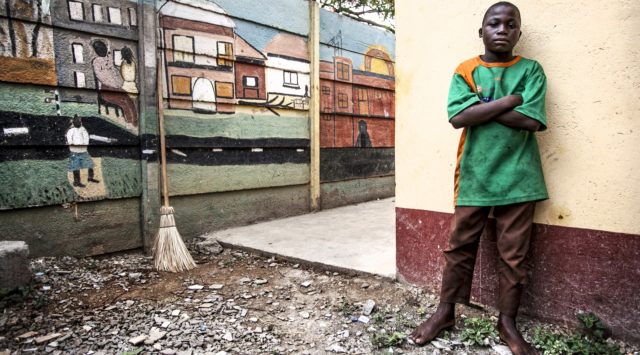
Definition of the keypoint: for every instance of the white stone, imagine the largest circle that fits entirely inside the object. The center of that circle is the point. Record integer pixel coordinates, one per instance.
(137, 340)
(502, 349)
(306, 283)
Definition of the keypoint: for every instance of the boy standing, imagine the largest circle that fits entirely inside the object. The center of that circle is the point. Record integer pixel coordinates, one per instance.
(499, 100)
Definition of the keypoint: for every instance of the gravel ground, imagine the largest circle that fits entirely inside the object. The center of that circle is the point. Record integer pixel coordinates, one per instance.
(233, 302)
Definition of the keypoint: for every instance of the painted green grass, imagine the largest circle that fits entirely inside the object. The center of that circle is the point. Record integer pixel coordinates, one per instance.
(195, 179)
(34, 183)
(31, 99)
(237, 126)
(122, 177)
(28, 183)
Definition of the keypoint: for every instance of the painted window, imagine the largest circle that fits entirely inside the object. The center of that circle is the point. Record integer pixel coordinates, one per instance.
(115, 16)
(343, 101)
(363, 101)
(183, 49)
(78, 53)
(290, 79)
(326, 90)
(224, 90)
(133, 17)
(97, 13)
(79, 79)
(250, 81)
(76, 11)
(342, 71)
(180, 85)
(117, 57)
(225, 54)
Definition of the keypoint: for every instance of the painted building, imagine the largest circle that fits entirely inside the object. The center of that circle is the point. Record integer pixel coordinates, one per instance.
(585, 252)
(288, 72)
(198, 47)
(26, 43)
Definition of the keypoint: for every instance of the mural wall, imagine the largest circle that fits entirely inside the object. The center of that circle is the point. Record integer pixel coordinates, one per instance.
(236, 96)
(68, 105)
(74, 125)
(357, 107)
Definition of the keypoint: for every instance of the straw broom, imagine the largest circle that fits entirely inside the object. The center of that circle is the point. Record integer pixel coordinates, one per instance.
(169, 251)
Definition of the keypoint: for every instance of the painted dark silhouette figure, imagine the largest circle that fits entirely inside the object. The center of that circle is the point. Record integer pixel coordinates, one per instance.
(363, 140)
(79, 158)
(109, 81)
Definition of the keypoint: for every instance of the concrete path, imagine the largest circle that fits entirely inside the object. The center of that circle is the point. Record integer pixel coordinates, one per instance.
(353, 238)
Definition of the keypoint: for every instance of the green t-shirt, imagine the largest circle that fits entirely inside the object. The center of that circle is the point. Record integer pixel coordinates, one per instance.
(498, 165)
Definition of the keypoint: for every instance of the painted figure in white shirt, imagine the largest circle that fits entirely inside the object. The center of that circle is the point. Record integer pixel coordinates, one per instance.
(79, 158)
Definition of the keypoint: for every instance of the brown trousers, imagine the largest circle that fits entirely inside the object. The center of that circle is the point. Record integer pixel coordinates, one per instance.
(513, 229)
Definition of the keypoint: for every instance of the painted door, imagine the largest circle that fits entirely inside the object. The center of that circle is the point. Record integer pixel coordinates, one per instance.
(204, 97)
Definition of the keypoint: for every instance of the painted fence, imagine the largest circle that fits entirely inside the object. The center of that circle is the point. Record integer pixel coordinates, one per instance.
(78, 146)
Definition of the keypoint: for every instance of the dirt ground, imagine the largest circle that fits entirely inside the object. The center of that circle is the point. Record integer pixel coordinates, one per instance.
(234, 302)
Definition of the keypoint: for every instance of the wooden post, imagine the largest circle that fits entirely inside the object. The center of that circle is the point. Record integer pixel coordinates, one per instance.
(314, 106)
(148, 121)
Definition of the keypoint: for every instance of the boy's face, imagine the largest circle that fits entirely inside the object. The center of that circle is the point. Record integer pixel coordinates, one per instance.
(501, 29)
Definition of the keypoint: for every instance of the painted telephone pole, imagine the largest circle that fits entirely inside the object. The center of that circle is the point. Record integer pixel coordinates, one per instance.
(314, 106)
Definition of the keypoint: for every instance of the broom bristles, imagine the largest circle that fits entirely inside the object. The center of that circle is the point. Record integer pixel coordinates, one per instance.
(169, 251)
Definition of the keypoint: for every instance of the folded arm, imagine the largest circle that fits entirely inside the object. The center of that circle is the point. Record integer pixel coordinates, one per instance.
(484, 112)
(517, 120)
(500, 110)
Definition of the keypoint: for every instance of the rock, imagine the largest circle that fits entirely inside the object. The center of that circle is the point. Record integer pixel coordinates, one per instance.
(365, 285)
(260, 281)
(14, 268)
(175, 313)
(336, 348)
(216, 287)
(208, 246)
(244, 280)
(195, 287)
(227, 336)
(305, 315)
(156, 334)
(27, 335)
(440, 345)
(168, 352)
(47, 338)
(502, 349)
(363, 319)
(367, 308)
(138, 340)
(306, 284)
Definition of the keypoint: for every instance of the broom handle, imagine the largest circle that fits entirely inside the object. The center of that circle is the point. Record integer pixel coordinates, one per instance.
(163, 144)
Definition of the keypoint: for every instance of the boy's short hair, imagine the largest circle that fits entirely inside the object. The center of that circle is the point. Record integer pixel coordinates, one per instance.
(500, 3)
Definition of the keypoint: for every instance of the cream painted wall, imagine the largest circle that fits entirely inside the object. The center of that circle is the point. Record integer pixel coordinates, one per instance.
(591, 151)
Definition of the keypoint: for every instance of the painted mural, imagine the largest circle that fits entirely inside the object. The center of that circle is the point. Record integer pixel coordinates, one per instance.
(236, 108)
(236, 94)
(357, 100)
(68, 102)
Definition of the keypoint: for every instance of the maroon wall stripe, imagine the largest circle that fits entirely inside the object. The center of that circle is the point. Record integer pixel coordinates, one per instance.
(572, 269)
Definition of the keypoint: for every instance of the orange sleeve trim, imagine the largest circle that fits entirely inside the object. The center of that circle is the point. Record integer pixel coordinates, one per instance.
(465, 70)
(456, 179)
